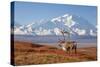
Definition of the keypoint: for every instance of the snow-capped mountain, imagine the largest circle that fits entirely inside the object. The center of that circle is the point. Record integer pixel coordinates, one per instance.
(24, 30)
(76, 25)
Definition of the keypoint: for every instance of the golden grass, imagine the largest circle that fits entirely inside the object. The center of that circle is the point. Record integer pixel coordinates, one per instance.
(28, 53)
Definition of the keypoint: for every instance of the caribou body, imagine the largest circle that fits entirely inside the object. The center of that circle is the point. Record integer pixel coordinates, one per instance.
(68, 46)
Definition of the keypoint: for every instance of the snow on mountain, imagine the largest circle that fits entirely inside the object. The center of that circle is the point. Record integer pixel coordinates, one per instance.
(29, 27)
(57, 31)
(77, 26)
(65, 19)
(65, 15)
(18, 30)
(69, 22)
(24, 30)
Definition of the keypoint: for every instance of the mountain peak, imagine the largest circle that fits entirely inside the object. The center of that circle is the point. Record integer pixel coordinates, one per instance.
(76, 24)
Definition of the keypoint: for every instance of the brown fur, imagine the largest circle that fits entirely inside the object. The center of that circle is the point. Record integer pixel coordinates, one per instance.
(69, 45)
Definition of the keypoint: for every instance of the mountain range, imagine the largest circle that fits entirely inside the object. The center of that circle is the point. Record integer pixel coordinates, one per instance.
(76, 25)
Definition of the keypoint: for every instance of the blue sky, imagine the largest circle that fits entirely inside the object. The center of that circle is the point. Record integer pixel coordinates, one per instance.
(28, 12)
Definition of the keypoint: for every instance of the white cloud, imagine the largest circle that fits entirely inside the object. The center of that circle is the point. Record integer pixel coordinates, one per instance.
(42, 31)
(80, 31)
(46, 32)
(19, 31)
(21, 27)
(93, 33)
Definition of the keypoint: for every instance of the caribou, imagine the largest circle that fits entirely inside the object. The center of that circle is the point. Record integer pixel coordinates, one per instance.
(68, 46)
